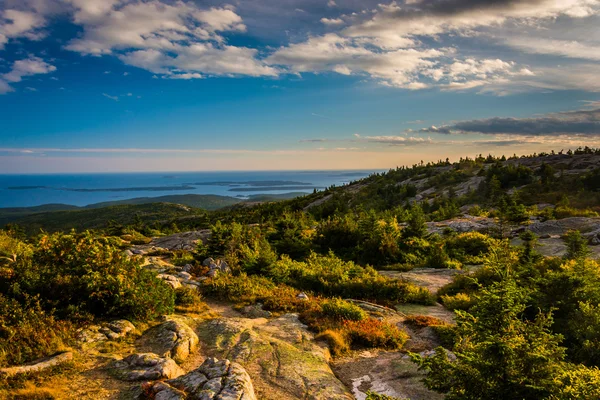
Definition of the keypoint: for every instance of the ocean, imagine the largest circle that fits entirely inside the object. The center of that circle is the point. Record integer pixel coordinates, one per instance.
(85, 189)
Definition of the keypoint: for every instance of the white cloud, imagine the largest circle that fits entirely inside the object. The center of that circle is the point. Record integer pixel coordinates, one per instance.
(564, 48)
(431, 18)
(331, 3)
(332, 21)
(332, 52)
(108, 96)
(16, 23)
(5, 87)
(27, 67)
(24, 68)
(176, 39)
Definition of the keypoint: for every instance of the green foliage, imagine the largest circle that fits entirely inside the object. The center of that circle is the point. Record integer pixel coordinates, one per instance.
(460, 301)
(343, 310)
(185, 296)
(577, 382)
(577, 247)
(27, 332)
(245, 248)
(377, 396)
(80, 275)
(330, 276)
(240, 288)
(416, 224)
(585, 328)
(469, 247)
(499, 355)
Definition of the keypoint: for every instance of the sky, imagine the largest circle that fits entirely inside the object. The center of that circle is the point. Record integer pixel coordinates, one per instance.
(173, 85)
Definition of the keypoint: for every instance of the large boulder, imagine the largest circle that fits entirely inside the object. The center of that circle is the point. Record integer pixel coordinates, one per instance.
(280, 356)
(146, 366)
(214, 379)
(173, 339)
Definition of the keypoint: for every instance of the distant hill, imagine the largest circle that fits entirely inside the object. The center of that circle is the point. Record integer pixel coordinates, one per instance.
(95, 218)
(205, 201)
(53, 217)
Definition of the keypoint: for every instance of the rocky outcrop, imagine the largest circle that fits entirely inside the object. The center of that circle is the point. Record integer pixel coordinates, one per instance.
(146, 366)
(112, 330)
(36, 366)
(216, 267)
(214, 379)
(461, 225)
(179, 241)
(561, 226)
(172, 338)
(170, 280)
(280, 356)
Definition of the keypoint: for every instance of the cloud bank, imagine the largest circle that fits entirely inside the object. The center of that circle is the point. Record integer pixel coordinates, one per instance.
(414, 44)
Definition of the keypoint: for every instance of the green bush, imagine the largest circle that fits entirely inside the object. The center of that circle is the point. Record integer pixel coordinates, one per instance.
(27, 332)
(80, 275)
(330, 276)
(241, 288)
(469, 247)
(577, 382)
(460, 301)
(343, 310)
(185, 296)
(377, 396)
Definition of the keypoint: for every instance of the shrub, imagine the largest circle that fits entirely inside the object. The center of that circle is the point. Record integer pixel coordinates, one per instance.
(377, 396)
(343, 310)
(182, 258)
(374, 333)
(578, 382)
(422, 321)
(446, 333)
(460, 301)
(469, 247)
(241, 288)
(338, 344)
(80, 275)
(28, 333)
(330, 276)
(577, 247)
(185, 296)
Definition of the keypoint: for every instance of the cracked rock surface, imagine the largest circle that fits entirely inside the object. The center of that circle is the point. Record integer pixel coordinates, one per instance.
(214, 379)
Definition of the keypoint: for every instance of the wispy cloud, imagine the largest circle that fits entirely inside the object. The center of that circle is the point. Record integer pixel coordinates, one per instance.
(108, 96)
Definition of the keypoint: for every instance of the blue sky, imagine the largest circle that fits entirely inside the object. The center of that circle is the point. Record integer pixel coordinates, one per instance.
(158, 85)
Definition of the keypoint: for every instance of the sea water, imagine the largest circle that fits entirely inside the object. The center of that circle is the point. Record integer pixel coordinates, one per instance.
(85, 189)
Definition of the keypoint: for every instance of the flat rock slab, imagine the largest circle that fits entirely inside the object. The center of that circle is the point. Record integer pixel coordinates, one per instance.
(554, 247)
(280, 356)
(437, 311)
(36, 366)
(388, 373)
(214, 379)
(431, 279)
